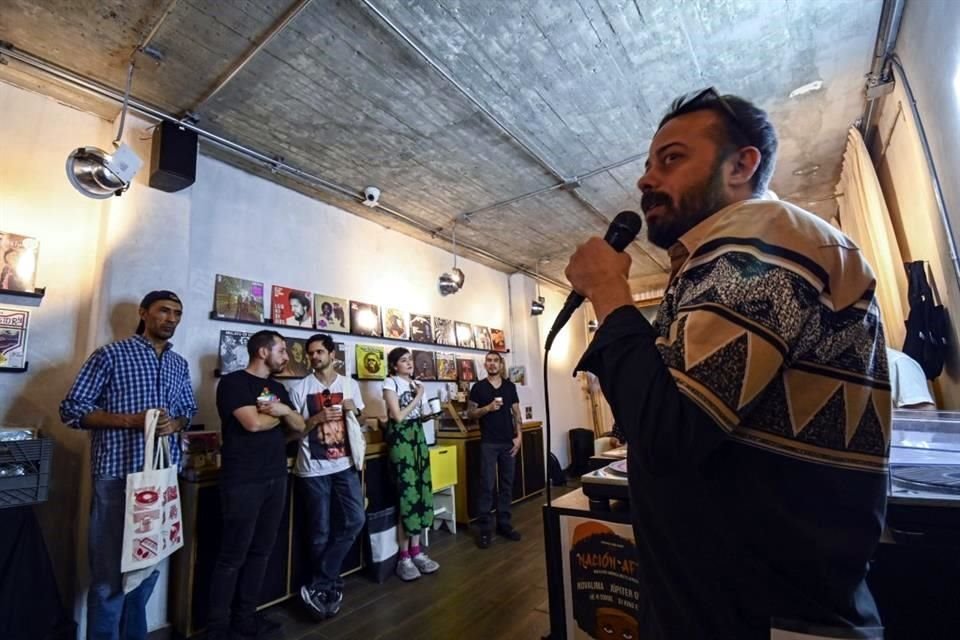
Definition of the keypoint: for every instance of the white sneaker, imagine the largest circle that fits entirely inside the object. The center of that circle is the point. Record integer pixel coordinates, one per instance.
(407, 570)
(424, 563)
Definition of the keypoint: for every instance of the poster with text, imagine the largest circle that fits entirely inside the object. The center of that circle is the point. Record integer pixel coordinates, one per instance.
(602, 593)
(292, 307)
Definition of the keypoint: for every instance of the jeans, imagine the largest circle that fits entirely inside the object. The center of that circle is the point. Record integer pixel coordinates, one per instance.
(329, 544)
(251, 518)
(496, 467)
(111, 614)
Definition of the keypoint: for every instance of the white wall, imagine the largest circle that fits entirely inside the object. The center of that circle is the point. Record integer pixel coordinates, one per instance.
(928, 33)
(98, 258)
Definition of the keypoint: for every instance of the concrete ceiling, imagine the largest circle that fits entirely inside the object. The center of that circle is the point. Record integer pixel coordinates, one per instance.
(583, 83)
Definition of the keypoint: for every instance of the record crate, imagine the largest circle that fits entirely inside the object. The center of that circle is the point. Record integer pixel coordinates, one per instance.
(33, 456)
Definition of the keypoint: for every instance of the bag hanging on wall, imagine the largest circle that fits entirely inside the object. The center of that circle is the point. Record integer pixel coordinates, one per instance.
(152, 527)
(926, 339)
(383, 549)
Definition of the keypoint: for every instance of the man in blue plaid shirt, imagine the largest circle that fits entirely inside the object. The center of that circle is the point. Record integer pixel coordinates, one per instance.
(110, 397)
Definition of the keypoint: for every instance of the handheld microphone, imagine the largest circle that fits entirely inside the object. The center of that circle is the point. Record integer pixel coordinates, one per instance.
(621, 232)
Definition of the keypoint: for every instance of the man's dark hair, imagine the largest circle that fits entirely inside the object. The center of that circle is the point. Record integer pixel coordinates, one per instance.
(297, 295)
(327, 341)
(261, 340)
(744, 125)
(495, 353)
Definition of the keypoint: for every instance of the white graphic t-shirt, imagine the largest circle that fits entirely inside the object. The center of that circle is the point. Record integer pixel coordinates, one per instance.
(405, 394)
(325, 449)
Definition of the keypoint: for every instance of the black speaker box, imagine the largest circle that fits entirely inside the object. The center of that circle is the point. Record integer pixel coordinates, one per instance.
(173, 157)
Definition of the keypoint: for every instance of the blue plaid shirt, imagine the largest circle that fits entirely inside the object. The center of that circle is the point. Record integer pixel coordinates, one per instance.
(128, 376)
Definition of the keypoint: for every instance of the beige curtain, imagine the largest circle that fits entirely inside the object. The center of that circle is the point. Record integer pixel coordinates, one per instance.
(864, 217)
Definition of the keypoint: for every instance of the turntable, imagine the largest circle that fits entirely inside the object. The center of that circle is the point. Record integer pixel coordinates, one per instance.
(605, 484)
(925, 458)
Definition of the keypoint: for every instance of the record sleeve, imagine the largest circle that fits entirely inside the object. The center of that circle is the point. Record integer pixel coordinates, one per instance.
(298, 364)
(292, 307)
(424, 365)
(466, 370)
(518, 375)
(238, 299)
(364, 319)
(19, 269)
(340, 359)
(421, 328)
(14, 324)
(482, 337)
(371, 363)
(446, 366)
(498, 340)
(444, 332)
(233, 354)
(395, 324)
(465, 335)
(332, 314)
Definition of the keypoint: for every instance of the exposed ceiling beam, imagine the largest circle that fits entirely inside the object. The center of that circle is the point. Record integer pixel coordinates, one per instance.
(282, 22)
(91, 86)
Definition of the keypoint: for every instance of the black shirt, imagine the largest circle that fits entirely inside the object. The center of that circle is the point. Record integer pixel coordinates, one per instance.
(496, 426)
(248, 456)
(729, 535)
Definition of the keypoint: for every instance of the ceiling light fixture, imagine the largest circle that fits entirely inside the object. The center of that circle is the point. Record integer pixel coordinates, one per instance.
(537, 304)
(808, 170)
(452, 281)
(810, 87)
(98, 174)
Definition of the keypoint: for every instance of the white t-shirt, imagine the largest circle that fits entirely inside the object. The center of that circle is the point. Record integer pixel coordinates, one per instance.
(405, 394)
(908, 384)
(325, 449)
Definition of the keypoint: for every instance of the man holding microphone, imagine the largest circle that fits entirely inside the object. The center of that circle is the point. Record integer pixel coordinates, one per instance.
(494, 402)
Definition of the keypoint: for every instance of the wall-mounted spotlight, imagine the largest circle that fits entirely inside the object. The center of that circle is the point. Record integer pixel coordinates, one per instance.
(98, 174)
(452, 281)
(536, 306)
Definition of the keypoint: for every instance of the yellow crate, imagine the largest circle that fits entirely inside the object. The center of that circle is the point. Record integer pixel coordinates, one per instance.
(443, 467)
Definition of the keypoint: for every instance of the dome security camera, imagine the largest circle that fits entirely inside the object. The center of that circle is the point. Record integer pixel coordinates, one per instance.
(371, 196)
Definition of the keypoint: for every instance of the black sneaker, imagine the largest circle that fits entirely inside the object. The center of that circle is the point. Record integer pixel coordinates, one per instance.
(510, 534)
(316, 602)
(483, 541)
(334, 599)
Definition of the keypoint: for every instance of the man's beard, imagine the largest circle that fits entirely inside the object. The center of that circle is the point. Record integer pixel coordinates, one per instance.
(696, 205)
(275, 365)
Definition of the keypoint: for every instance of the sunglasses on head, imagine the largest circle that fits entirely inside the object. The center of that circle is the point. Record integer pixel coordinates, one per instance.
(710, 95)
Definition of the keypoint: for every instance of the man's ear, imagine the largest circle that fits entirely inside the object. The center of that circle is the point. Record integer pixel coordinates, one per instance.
(745, 165)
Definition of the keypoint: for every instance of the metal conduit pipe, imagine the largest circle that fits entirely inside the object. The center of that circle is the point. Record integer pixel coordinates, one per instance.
(928, 155)
(95, 88)
(887, 32)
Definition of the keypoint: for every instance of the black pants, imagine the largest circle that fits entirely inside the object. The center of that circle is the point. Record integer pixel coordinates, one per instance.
(496, 468)
(251, 519)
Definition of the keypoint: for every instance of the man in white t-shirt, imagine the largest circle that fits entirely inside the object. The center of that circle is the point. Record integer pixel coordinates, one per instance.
(908, 384)
(326, 472)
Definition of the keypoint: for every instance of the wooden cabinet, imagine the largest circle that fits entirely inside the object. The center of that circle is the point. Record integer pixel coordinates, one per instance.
(529, 476)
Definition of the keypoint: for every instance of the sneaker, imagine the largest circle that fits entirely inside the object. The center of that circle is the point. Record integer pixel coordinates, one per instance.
(334, 599)
(510, 534)
(407, 570)
(483, 541)
(315, 601)
(424, 563)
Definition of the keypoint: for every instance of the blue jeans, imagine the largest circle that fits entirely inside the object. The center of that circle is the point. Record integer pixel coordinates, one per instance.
(111, 614)
(329, 545)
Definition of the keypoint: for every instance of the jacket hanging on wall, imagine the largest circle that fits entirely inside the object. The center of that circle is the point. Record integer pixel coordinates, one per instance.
(926, 340)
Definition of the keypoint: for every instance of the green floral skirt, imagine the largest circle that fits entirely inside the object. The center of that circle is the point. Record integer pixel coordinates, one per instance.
(410, 465)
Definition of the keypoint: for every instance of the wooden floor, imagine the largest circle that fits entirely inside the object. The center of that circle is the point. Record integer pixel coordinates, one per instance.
(500, 592)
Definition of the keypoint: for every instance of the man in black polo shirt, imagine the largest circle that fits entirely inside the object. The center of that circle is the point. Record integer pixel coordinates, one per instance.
(256, 415)
(494, 402)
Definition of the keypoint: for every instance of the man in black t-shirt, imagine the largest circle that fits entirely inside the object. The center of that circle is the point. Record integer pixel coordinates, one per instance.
(256, 415)
(494, 401)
